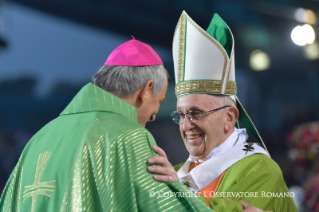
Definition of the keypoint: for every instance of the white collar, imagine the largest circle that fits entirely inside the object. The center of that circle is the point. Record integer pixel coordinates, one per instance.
(228, 153)
(201, 176)
(238, 136)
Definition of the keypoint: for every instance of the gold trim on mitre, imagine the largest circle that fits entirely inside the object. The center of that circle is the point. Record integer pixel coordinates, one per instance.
(181, 48)
(204, 86)
(182, 24)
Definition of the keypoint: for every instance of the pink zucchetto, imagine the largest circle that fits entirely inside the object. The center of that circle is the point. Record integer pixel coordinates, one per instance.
(133, 53)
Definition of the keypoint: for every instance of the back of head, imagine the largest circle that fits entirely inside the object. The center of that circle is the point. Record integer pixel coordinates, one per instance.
(129, 67)
(124, 81)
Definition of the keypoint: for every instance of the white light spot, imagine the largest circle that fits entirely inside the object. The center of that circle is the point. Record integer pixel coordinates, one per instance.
(299, 14)
(305, 16)
(259, 60)
(302, 35)
(311, 52)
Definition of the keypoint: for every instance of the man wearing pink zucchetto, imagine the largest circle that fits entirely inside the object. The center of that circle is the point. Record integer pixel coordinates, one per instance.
(93, 156)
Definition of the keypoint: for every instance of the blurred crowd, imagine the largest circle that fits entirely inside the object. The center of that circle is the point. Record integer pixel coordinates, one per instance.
(303, 144)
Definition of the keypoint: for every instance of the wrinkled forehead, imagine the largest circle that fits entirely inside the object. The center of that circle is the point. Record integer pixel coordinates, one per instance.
(196, 101)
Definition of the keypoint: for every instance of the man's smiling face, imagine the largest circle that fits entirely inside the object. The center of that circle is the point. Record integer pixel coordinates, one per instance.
(202, 137)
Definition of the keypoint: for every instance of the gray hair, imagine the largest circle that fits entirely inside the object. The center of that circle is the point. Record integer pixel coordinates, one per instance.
(124, 81)
(223, 100)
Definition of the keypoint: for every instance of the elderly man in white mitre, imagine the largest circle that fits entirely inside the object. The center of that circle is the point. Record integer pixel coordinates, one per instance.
(223, 167)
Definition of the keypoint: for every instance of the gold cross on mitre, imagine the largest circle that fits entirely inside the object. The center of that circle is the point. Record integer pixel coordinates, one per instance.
(39, 188)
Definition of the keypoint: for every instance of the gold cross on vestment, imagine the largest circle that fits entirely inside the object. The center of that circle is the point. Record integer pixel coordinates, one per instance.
(249, 147)
(39, 188)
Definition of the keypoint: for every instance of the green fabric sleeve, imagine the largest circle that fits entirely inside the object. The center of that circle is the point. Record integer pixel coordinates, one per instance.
(252, 180)
(222, 204)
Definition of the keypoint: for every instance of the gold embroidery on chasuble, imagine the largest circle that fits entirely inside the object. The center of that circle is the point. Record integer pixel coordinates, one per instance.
(45, 188)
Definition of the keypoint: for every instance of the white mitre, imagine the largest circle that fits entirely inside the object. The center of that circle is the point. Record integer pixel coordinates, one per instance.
(204, 62)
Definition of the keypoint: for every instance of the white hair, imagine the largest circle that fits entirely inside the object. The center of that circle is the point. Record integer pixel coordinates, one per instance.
(223, 100)
(124, 81)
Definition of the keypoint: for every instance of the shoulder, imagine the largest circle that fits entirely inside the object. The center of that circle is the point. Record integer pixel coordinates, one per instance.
(257, 164)
(117, 127)
(116, 121)
(259, 160)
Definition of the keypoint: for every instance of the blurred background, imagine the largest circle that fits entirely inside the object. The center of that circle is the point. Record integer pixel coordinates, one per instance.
(50, 49)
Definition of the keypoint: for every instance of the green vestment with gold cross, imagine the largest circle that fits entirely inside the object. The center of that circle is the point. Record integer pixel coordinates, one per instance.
(91, 158)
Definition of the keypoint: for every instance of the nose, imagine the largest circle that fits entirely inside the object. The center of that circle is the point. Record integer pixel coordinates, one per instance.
(187, 124)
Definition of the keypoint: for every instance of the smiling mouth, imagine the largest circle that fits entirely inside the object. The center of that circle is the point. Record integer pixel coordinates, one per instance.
(193, 136)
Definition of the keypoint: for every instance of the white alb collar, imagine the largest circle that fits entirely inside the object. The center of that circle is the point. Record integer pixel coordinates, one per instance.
(239, 136)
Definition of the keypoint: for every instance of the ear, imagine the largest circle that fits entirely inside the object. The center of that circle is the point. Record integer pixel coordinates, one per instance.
(232, 116)
(146, 91)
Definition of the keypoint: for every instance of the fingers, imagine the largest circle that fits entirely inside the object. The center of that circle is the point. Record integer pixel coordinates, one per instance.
(248, 207)
(159, 151)
(159, 160)
(159, 170)
(163, 174)
(163, 178)
(244, 204)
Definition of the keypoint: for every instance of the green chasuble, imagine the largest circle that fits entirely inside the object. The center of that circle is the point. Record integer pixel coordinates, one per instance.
(92, 158)
(258, 181)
